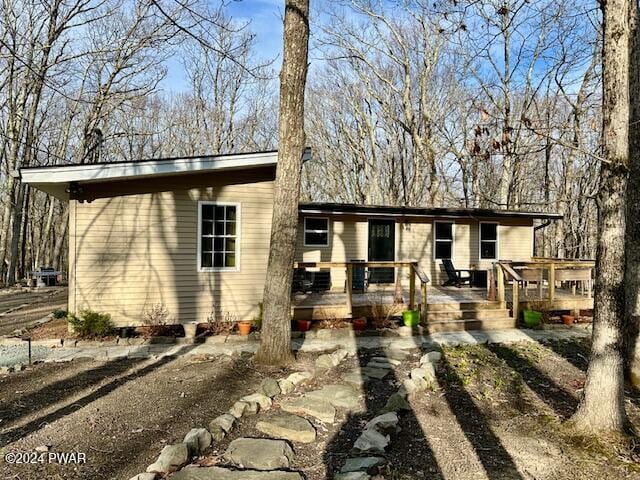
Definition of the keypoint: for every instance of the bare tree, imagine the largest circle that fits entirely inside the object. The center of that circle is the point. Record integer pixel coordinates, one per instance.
(275, 341)
(632, 246)
(601, 409)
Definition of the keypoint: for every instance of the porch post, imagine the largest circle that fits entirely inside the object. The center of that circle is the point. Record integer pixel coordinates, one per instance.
(349, 290)
(412, 288)
(516, 299)
(423, 287)
(540, 279)
(500, 278)
(552, 281)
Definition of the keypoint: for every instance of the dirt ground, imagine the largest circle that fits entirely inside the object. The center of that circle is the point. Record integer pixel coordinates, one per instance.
(120, 413)
(497, 414)
(20, 308)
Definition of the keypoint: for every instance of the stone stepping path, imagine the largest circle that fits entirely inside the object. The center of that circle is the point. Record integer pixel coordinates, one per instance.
(376, 436)
(220, 473)
(288, 427)
(320, 409)
(259, 453)
(272, 458)
(339, 396)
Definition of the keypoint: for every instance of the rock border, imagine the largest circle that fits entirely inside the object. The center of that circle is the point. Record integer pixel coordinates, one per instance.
(368, 451)
(175, 456)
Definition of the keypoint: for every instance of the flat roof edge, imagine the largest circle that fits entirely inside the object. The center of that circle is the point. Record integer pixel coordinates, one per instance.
(382, 211)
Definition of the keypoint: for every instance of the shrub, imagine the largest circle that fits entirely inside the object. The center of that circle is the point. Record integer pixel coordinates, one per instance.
(155, 319)
(217, 324)
(257, 321)
(59, 313)
(91, 324)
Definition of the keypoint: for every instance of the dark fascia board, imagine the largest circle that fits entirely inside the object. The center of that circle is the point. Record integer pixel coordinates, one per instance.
(441, 212)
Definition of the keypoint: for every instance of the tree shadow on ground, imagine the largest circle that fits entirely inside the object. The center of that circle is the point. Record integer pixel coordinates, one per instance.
(497, 462)
(240, 377)
(409, 454)
(577, 354)
(14, 434)
(560, 400)
(574, 352)
(18, 407)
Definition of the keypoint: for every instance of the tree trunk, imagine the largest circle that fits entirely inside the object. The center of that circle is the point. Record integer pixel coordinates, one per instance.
(275, 339)
(15, 235)
(632, 268)
(60, 241)
(601, 409)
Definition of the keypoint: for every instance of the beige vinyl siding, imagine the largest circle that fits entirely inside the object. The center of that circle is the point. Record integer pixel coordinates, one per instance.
(348, 239)
(131, 252)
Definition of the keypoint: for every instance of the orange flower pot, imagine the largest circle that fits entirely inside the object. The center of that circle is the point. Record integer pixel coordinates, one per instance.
(244, 328)
(359, 324)
(567, 319)
(303, 325)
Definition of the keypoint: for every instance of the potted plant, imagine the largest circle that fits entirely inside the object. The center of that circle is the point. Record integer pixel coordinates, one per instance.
(244, 327)
(303, 325)
(568, 319)
(534, 316)
(411, 318)
(359, 324)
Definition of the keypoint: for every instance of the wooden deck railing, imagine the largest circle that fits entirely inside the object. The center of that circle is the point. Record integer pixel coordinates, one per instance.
(505, 270)
(557, 270)
(412, 265)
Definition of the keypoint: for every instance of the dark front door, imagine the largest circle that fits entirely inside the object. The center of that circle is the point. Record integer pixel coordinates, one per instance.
(382, 247)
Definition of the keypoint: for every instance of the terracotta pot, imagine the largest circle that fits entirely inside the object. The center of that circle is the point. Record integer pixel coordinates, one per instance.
(359, 324)
(567, 319)
(303, 325)
(244, 328)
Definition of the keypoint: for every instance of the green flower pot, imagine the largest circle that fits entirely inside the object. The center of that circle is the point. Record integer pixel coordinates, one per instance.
(532, 318)
(411, 318)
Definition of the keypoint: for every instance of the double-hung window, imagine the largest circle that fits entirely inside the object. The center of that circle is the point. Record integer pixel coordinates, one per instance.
(218, 242)
(316, 232)
(443, 241)
(488, 241)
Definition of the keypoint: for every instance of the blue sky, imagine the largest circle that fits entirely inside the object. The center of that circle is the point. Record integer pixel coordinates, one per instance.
(265, 17)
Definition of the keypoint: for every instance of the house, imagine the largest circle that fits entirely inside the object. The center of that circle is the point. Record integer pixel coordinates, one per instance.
(193, 234)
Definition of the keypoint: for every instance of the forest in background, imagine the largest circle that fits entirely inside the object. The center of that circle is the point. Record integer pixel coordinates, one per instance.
(478, 104)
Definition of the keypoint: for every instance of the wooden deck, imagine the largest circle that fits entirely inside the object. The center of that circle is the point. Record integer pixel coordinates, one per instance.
(564, 299)
(332, 304)
(540, 284)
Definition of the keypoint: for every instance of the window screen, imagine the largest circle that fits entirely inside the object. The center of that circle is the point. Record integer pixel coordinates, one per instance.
(488, 241)
(218, 236)
(316, 231)
(443, 240)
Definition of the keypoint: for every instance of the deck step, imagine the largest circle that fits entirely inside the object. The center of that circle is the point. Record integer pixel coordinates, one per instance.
(470, 324)
(482, 314)
(455, 306)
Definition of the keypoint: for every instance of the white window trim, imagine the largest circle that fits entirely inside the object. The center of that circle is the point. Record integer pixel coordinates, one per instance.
(453, 239)
(238, 235)
(497, 240)
(304, 233)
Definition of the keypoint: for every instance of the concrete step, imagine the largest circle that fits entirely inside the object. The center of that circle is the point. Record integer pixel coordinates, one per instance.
(470, 324)
(445, 315)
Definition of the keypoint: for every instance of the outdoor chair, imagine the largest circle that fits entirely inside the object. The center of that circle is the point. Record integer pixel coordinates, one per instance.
(360, 277)
(456, 277)
(300, 281)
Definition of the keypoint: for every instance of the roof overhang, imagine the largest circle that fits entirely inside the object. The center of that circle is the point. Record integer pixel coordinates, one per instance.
(60, 179)
(392, 212)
